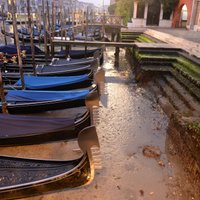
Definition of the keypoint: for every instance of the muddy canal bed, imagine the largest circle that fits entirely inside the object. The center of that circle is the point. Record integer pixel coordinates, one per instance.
(132, 134)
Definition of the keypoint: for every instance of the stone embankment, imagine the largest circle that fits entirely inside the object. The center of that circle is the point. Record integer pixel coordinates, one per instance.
(172, 72)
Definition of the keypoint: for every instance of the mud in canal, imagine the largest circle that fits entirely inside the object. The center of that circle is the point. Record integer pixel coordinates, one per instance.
(132, 134)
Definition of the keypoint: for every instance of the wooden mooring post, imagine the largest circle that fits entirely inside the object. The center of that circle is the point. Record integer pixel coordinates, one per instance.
(31, 36)
(53, 29)
(17, 43)
(2, 95)
(45, 31)
(4, 27)
(117, 50)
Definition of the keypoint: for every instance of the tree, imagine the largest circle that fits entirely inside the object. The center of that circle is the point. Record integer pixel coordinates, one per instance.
(111, 9)
(124, 8)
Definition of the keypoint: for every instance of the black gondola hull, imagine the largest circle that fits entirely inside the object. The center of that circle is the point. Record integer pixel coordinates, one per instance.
(36, 107)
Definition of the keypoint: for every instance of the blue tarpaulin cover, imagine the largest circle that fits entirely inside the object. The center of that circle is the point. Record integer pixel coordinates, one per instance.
(35, 96)
(35, 82)
(19, 125)
(12, 49)
(73, 53)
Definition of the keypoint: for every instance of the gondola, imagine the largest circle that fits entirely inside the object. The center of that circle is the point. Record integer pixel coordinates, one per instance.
(48, 70)
(26, 129)
(55, 83)
(48, 126)
(92, 35)
(59, 83)
(75, 70)
(55, 62)
(21, 177)
(66, 62)
(29, 101)
(36, 31)
(11, 50)
(72, 54)
(25, 38)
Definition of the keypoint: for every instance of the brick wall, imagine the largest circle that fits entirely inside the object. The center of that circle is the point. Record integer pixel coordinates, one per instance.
(177, 12)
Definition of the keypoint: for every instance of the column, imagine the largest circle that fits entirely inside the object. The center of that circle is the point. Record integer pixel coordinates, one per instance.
(193, 14)
(135, 5)
(161, 11)
(146, 10)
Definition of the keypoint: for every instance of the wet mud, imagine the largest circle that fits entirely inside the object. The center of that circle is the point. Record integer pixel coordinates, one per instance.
(130, 120)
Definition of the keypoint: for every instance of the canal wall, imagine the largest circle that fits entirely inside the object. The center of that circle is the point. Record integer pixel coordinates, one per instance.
(174, 78)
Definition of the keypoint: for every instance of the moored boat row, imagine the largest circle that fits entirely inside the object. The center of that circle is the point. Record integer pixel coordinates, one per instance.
(24, 124)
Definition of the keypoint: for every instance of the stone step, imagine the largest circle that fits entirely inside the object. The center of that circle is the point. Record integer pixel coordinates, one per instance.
(173, 97)
(192, 48)
(183, 93)
(191, 58)
(167, 107)
(131, 33)
(129, 36)
(170, 52)
(127, 40)
(158, 59)
(158, 50)
(188, 83)
(156, 63)
(158, 68)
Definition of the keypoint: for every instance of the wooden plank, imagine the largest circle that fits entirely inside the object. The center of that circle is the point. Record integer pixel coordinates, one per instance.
(92, 43)
(106, 25)
(59, 42)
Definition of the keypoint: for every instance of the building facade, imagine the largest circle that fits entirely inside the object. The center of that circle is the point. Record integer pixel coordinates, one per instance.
(185, 15)
(192, 20)
(153, 14)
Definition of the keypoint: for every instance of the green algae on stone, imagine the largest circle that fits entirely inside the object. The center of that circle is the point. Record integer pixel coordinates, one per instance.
(195, 126)
(145, 39)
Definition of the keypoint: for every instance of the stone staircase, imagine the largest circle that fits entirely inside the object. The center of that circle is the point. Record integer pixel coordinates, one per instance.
(173, 75)
(129, 36)
(190, 47)
(163, 69)
(177, 95)
(137, 36)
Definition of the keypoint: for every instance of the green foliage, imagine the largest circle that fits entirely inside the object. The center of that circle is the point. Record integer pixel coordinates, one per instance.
(111, 9)
(195, 127)
(169, 5)
(143, 38)
(124, 8)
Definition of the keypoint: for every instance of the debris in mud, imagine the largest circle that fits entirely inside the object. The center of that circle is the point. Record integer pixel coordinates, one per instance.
(151, 151)
(118, 187)
(161, 163)
(142, 192)
(151, 193)
(96, 186)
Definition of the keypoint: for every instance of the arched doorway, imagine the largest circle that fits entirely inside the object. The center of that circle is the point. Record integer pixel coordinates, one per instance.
(153, 15)
(183, 17)
(182, 14)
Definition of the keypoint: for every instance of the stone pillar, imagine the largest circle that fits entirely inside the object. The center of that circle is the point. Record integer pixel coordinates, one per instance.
(161, 11)
(135, 6)
(146, 10)
(171, 16)
(193, 14)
